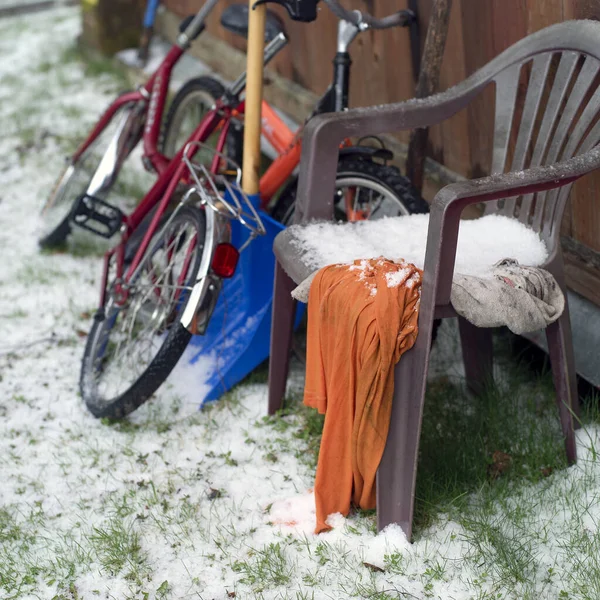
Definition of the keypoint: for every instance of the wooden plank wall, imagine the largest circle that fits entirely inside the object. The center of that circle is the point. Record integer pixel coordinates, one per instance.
(479, 30)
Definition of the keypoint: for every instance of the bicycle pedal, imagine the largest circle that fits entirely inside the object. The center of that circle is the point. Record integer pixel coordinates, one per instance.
(97, 216)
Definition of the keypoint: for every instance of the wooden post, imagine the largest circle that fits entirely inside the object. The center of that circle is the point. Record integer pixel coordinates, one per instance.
(111, 25)
(254, 85)
(429, 78)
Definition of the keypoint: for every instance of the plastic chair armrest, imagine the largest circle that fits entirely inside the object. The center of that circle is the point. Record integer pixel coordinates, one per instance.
(448, 204)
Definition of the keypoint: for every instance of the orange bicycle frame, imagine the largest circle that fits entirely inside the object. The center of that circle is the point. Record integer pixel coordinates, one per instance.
(287, 144)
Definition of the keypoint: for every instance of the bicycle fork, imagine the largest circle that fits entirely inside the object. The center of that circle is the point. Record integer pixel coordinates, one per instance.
(92, 212)
(113, 158)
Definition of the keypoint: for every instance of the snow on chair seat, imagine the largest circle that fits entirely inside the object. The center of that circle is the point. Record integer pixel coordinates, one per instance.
(481, 243)
(494, 282)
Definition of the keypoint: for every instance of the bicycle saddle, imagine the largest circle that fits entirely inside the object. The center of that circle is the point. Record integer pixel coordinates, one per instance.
(235, 19)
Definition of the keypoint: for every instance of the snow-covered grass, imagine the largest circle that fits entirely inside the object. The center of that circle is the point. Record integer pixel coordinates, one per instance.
(177, 503)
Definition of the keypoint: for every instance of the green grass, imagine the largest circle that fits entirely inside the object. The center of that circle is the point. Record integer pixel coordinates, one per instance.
(459, 480)
(461, 433)
(35, 274)
(20, 568)
(117, 548)
(265, 568)
(95, 65)
(175, 485)
(495, 514)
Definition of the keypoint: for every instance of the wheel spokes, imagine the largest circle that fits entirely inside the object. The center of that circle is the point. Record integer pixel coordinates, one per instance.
(135, 330)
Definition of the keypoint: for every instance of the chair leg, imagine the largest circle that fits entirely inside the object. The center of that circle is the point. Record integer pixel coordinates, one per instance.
(567, 335)
(478, 355)
(560, 346)
(397, 473)
(564, 324)
(282, 329)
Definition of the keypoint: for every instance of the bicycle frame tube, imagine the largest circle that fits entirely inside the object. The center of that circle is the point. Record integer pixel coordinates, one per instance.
(287, 145)
(347, 32)
(157, 87)
(159, 194)
(274, 129)
(287, 160)
(109, 113)
(185, 38)
(279, 171)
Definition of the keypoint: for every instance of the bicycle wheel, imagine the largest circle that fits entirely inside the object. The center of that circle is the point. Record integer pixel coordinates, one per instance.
(55, 216)
(135, 343)
(188, 108)
(374, 191)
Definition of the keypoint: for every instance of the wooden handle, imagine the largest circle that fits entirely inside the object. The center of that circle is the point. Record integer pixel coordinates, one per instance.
(254, 84)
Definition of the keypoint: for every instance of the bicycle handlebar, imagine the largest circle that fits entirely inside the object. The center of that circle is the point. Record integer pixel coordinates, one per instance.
(365, 20)
(305, 10)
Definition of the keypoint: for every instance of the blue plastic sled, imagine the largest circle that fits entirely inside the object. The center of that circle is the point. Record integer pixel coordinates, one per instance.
(238, 335)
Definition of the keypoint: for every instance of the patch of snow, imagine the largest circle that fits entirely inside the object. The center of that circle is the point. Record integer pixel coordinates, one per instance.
(389, 540)
(481, 242)
(398, 278)
(296, 514)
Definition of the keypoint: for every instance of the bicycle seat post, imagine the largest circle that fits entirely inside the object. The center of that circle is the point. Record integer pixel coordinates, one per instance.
(185, 38)
(346, 33)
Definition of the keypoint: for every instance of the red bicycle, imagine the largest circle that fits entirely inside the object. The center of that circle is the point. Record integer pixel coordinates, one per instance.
(162, 279)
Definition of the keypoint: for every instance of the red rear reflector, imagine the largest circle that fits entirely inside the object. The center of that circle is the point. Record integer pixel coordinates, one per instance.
(225, 260)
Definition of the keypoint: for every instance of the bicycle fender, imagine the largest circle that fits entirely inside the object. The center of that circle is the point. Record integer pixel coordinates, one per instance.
(217, 232)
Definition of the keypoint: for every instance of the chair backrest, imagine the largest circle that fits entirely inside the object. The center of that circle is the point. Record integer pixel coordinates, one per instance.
(547, 110)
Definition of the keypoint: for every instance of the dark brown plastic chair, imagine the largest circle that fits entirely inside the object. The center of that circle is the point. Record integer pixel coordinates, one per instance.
(554, 141)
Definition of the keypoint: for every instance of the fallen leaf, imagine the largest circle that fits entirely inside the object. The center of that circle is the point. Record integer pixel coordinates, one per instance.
(546, 471)
(500, 464)
(213, 494)
(374, 567)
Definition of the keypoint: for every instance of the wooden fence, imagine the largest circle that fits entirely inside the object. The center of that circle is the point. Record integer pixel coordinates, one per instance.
(479, 30)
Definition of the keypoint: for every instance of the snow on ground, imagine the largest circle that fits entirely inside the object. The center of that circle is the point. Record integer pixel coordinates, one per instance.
(177, 503)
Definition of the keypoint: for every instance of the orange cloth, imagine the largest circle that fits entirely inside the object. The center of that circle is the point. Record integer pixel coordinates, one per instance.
(359, 324)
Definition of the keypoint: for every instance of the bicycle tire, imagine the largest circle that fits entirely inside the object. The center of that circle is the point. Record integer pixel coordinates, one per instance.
(175, 336)
(205, 90)
(56, 212)
(387, 176)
